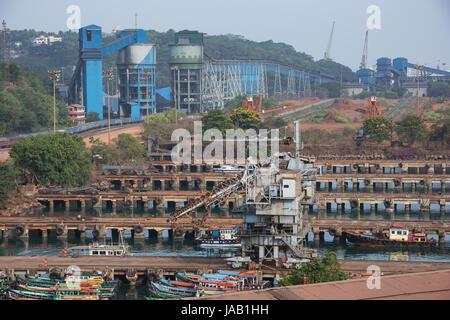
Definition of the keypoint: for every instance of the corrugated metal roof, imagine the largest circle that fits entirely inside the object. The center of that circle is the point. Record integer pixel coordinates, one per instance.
(433, 285)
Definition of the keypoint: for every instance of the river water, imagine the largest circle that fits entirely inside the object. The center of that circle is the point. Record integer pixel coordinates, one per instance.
(165, 246)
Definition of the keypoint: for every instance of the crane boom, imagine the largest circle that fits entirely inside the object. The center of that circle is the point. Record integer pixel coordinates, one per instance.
(364, 55)
(327, 53)
(219, 195)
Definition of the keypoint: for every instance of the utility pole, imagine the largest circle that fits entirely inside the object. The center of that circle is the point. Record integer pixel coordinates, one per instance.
(146, 86)
(418, 68)
(109, 74)
(55, 77)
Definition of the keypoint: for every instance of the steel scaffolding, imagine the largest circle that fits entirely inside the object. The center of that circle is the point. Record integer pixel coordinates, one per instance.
(223, 80)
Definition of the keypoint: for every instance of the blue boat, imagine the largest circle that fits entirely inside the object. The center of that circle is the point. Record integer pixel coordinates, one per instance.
(164, 286)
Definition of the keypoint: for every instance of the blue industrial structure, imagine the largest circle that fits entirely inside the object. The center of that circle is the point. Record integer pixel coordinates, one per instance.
(396, 72)
(86, 85)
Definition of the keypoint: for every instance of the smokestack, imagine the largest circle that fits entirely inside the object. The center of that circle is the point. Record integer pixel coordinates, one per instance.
(297, 138)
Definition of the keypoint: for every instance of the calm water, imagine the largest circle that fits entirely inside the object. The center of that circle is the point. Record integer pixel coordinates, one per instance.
(165, 246)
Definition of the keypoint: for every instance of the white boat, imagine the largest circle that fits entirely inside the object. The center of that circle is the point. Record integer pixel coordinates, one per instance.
(97, 249)
(219, 237)
(226, 168)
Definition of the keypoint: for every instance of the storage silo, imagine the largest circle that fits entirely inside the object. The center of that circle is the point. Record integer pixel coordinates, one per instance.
(136, 65)
(186, 63)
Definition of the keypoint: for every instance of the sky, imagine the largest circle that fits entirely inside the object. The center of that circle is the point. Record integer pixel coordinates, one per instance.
(415, 29)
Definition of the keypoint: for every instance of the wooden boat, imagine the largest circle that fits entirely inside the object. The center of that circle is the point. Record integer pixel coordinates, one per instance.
(188, 277)
(16, 294)
(38, 281)
(398, 236)
(167, 288)
(212, 287)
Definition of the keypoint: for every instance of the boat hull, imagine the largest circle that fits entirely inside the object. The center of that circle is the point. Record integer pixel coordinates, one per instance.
(371, 241)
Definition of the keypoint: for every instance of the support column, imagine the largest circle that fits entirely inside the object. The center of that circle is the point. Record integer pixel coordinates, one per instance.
(407, 207)
(176, 183)
(337, 235)
(44, 234)
(51, 206)
(441, 236)
(67, 206)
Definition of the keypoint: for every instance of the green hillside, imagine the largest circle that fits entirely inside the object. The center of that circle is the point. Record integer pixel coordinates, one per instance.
(64, 54)
(26, 102)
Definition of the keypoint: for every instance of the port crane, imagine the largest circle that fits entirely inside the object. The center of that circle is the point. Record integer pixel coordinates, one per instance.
(363, 64)
(215, 197)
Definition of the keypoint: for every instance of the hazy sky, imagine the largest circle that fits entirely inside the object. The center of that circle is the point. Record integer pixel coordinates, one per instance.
(416, 29)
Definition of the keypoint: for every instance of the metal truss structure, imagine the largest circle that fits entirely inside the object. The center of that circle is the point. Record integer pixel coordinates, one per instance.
(223, 80)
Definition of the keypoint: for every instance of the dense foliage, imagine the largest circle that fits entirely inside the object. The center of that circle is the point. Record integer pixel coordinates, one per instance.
(57, 159)
(394, 93)
(317, 270)
(240, 118)
(438, 89)
(245, 119)
(26, 102)
(411, 129)
(216, 119)
(124, 148)
(8, 180)
(377, 129)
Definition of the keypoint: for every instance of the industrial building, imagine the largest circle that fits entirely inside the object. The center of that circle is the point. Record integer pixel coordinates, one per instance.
(186, 63)
(136, 65)
(398, 73)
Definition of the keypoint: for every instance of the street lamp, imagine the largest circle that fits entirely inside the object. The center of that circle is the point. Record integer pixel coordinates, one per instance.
(109, 75)
(418, 68)
(55, 76)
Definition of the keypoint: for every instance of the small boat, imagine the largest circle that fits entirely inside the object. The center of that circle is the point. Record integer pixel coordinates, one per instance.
(97, 249)
(219, 237)
(227, 168)
(167, 288)
(188, 277)
(397, 236)
(16, 294)
(213, 287)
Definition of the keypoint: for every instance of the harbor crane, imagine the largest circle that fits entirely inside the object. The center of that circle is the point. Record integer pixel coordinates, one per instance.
(326, 55)
(363, 64)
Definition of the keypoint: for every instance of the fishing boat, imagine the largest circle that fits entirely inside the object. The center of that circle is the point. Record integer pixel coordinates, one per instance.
(250, 279)
(16, 294)
(170, 289)
(97, 249)
(188, 277)
(398, 236)
(42, 281)
(213, 287)
(219, 237)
